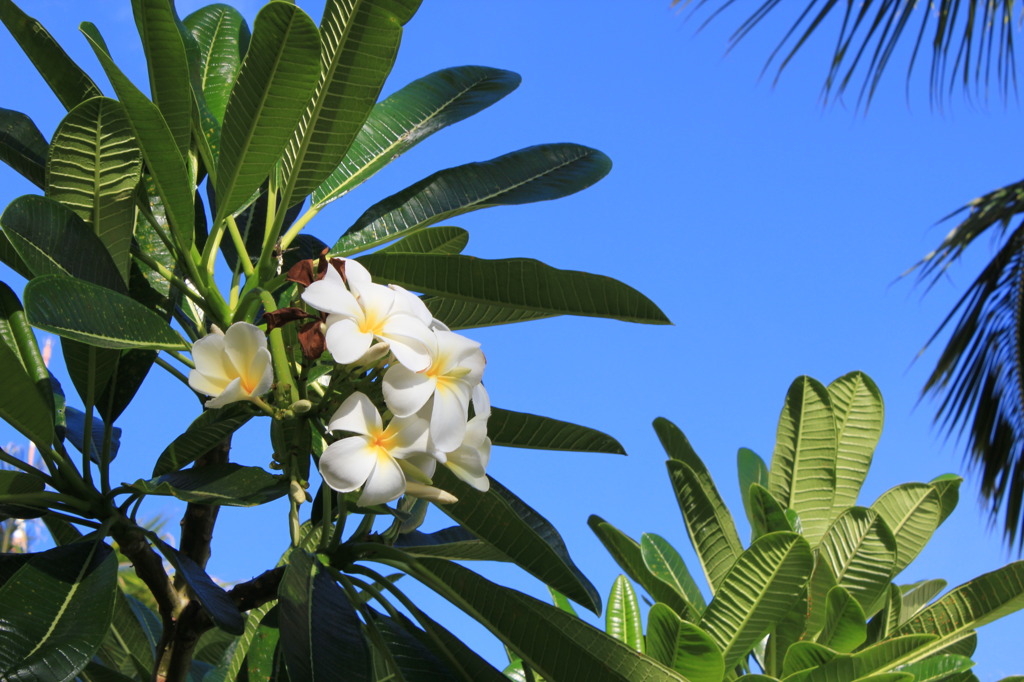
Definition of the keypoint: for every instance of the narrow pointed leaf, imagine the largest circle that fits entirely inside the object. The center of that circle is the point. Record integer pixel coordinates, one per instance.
(524, 430)
(534, 174)
(442, 240)
(460, 314)
(683, 646)
(211, 596)
(515, 529)
(845, 626)
(95, 315)
(223, 38)
(209, 429)
(520, 283)
(125, 646)
(75, 433)
(21, 405)
(411, 115)
(861, 551)
(858, 411)
(802, 475)
(93, 167)
(750, 469)
(169, 86)
(948, 487)
(22, 146)
(912, 512)
(278, 75)
(761, 587)
(767, 516)
(69, 83)
(664, 563)
(359, 42)
(467, 662)
(159, 147)
(404, 651)
(455, 543)
(622, 616)
(229, 484)
(17, 334)
(917, 596)
(247, 645)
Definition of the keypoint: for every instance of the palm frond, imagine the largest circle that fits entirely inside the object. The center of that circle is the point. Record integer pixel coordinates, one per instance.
(971, 40)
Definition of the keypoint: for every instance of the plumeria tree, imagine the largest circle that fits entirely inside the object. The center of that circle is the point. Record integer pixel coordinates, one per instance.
(167, 234)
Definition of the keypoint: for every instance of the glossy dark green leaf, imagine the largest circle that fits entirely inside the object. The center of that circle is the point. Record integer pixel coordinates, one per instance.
(665, 564)
(412, 114)
(71, 85)
(17, 334)
(211, 596)
(455, 543)
(460, 314)
(223, 38)
(126, 648)
(320, 631)
(534, 174)
(51, 238)
(96, 672)
(683, 646)
(22, 146)
(55, 611)
(21, 404)
(209, 429)
(131, 370)
(463, 659)
(523, 430)
(254, 649)
(20, 483)
(173, 183)
(232, 485)
(441, 240)
(169, 86)
(622, 616)
(406, 651)
(95, 315)
(628, 555)
(274, 84)
(359, 42)
(76, 434)
(520, 283)
(515, 529)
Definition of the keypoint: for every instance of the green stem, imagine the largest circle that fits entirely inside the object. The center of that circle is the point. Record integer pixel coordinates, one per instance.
(10, 459)
(183, 359)
(174, 280)
(172, 370)
(279, 353)
(297, 226)
(243, 254)
(90, 400)
(46, 499)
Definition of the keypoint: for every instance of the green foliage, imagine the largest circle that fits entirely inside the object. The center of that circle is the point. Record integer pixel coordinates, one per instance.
(820, 603)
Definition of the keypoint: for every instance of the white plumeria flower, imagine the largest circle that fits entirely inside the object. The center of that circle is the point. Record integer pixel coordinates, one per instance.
(232, 366)
(363, 312)
(469, 460)
(373, 458)
(456, 367)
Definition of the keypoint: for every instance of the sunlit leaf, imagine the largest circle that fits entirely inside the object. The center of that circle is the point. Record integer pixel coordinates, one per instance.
(523, 430)
(229, 484)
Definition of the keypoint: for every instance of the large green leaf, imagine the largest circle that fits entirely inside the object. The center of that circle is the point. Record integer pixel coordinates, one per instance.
(939, 667)
(169, 86)
(750, 469)
(802, 475)
(223, 38)
(861, 551)
(125, 647)
(71, 85)
(320, 631)
(534, 174)
(95, 315)
(858, 411)
(758, 591)
(890, 652)
(622, 615)
(443, 239)
(17, 334)
(845, 628)
(209, 429)
(664, 563)
(628, 555)
(461, 314)
(20, 483)
(166, 166)
(517, 530)
(93, 167)
(524, 430)
(229, 484)
(912, 512)
(520, 283)
(917, 595)
(55, 612)
(359, 42)
(554, 643)
(683, 646)
(21, 404)
(767, 515)
(455, 543)
(22, 146)
(412, 114)
(403, 652)
(278, 75)
(948, 487)
(212, 597)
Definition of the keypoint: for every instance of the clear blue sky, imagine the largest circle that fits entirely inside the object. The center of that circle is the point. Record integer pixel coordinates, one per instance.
(771, 229)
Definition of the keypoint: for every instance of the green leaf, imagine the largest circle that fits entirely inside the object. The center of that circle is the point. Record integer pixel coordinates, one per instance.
(403, 650)
(750, 469)
(412, 114)
(21, 404)
(802, 475)
(455, 543)
(359, 42)
(622, 617)
(71, 85)
(760, 588)
(442, 240)
(248, 645)
(948, 486)
(209, 429)
(912, 512)
(20, 483)
(93, 166)
(665, 564)
(166, 166)
(22, 146)
(169, 86)
(467, 662)
(534, 174)
(858, 412)
(683, 646)
(320, 631)
(230, 484)
(518, 531)
(523, 430)
(807, 656)
(917, 595)
(520, 283)
(211, 596)
(55, 611)
(557, 645)
(890, 652)
(707, 519)
(125, 647)
(845, 624)
(92, 314)
(628, 555)
(223, 38)
(277, 77)
(861, 551)
(459, 314)
(17, 334)
(767, 515)
(937, 668)
(75, 423)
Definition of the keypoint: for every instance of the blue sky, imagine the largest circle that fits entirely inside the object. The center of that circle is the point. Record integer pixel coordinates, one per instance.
(772, 230)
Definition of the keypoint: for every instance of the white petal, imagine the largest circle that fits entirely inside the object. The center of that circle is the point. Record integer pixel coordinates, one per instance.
(422, 466)
(407, 436)
(356, 274)
(346, 464)
(409, 339)
(209, 357)
(481, 401)
(356, 414)
(429, 492)
(232, 393)
(413, 304)
(448, 419)
(406, 391)
(205, 384)
(261, 370)
(241, 342)
(329, 295)
(386, 482)
(345, 341)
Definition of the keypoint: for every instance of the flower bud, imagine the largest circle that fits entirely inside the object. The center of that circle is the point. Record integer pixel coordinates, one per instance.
(301, 406)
